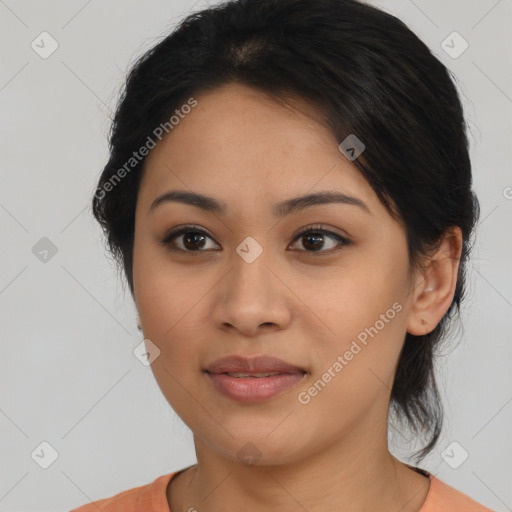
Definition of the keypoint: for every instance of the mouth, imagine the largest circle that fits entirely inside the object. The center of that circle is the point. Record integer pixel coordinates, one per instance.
(251, 388)
(251, 380)
(252, 375)
(258, 365)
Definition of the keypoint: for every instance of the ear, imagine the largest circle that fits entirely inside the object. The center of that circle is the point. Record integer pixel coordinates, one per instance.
(435, 284)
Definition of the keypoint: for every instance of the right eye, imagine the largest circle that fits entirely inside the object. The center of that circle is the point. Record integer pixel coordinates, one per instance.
(188, 239)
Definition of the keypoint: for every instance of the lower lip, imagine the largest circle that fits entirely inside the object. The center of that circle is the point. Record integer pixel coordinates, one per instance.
(256, 389)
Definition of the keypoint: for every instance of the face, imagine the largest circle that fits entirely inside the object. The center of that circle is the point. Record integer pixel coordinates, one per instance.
(323, 287)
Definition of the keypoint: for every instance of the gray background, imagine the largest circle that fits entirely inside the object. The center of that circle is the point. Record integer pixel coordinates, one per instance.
(68, 329)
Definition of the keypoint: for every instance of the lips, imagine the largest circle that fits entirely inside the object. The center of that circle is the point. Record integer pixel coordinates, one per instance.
(255, 379)
(252, 366)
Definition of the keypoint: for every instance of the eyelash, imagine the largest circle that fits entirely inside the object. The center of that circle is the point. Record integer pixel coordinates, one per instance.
(310, 229)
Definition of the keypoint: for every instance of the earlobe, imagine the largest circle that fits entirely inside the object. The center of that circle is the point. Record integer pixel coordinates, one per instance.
(435, 289)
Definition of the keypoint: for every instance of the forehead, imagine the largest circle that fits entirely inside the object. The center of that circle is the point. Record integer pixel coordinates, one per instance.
(241, 145)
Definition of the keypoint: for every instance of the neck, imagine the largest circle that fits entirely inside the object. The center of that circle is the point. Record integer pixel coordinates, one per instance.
(342, 478)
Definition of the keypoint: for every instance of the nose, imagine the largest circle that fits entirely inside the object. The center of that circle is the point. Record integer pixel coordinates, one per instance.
(252, 298)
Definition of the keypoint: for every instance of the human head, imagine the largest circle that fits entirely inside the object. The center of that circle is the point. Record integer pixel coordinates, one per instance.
(363, 72)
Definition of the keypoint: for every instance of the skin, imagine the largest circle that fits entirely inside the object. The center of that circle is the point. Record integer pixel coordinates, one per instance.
(241, 147)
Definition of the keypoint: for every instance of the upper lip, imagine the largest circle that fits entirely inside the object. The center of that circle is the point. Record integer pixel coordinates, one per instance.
(258, 364)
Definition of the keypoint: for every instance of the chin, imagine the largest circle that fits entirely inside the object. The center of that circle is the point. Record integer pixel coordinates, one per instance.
(251, 446)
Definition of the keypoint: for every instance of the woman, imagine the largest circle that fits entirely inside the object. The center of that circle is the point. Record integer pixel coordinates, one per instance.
(289, 196)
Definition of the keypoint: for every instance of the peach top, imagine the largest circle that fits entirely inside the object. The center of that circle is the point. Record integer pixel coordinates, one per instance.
(152, 498)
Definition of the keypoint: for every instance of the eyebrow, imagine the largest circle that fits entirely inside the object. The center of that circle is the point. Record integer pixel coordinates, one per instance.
(280, 209)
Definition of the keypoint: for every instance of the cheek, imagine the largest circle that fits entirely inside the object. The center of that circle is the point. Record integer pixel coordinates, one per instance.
(165, 301)
(160, 294)
(356, 365)
(366, 315)
(171, 304)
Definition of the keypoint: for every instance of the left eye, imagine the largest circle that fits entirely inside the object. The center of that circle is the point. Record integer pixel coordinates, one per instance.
(315, 240)
(194, 240)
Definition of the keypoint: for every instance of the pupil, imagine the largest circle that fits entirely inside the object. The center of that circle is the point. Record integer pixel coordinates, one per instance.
(316, 237)
(193, 236)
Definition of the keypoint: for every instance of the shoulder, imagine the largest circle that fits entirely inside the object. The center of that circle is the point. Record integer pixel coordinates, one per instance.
(444, 498)
(149, 497)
